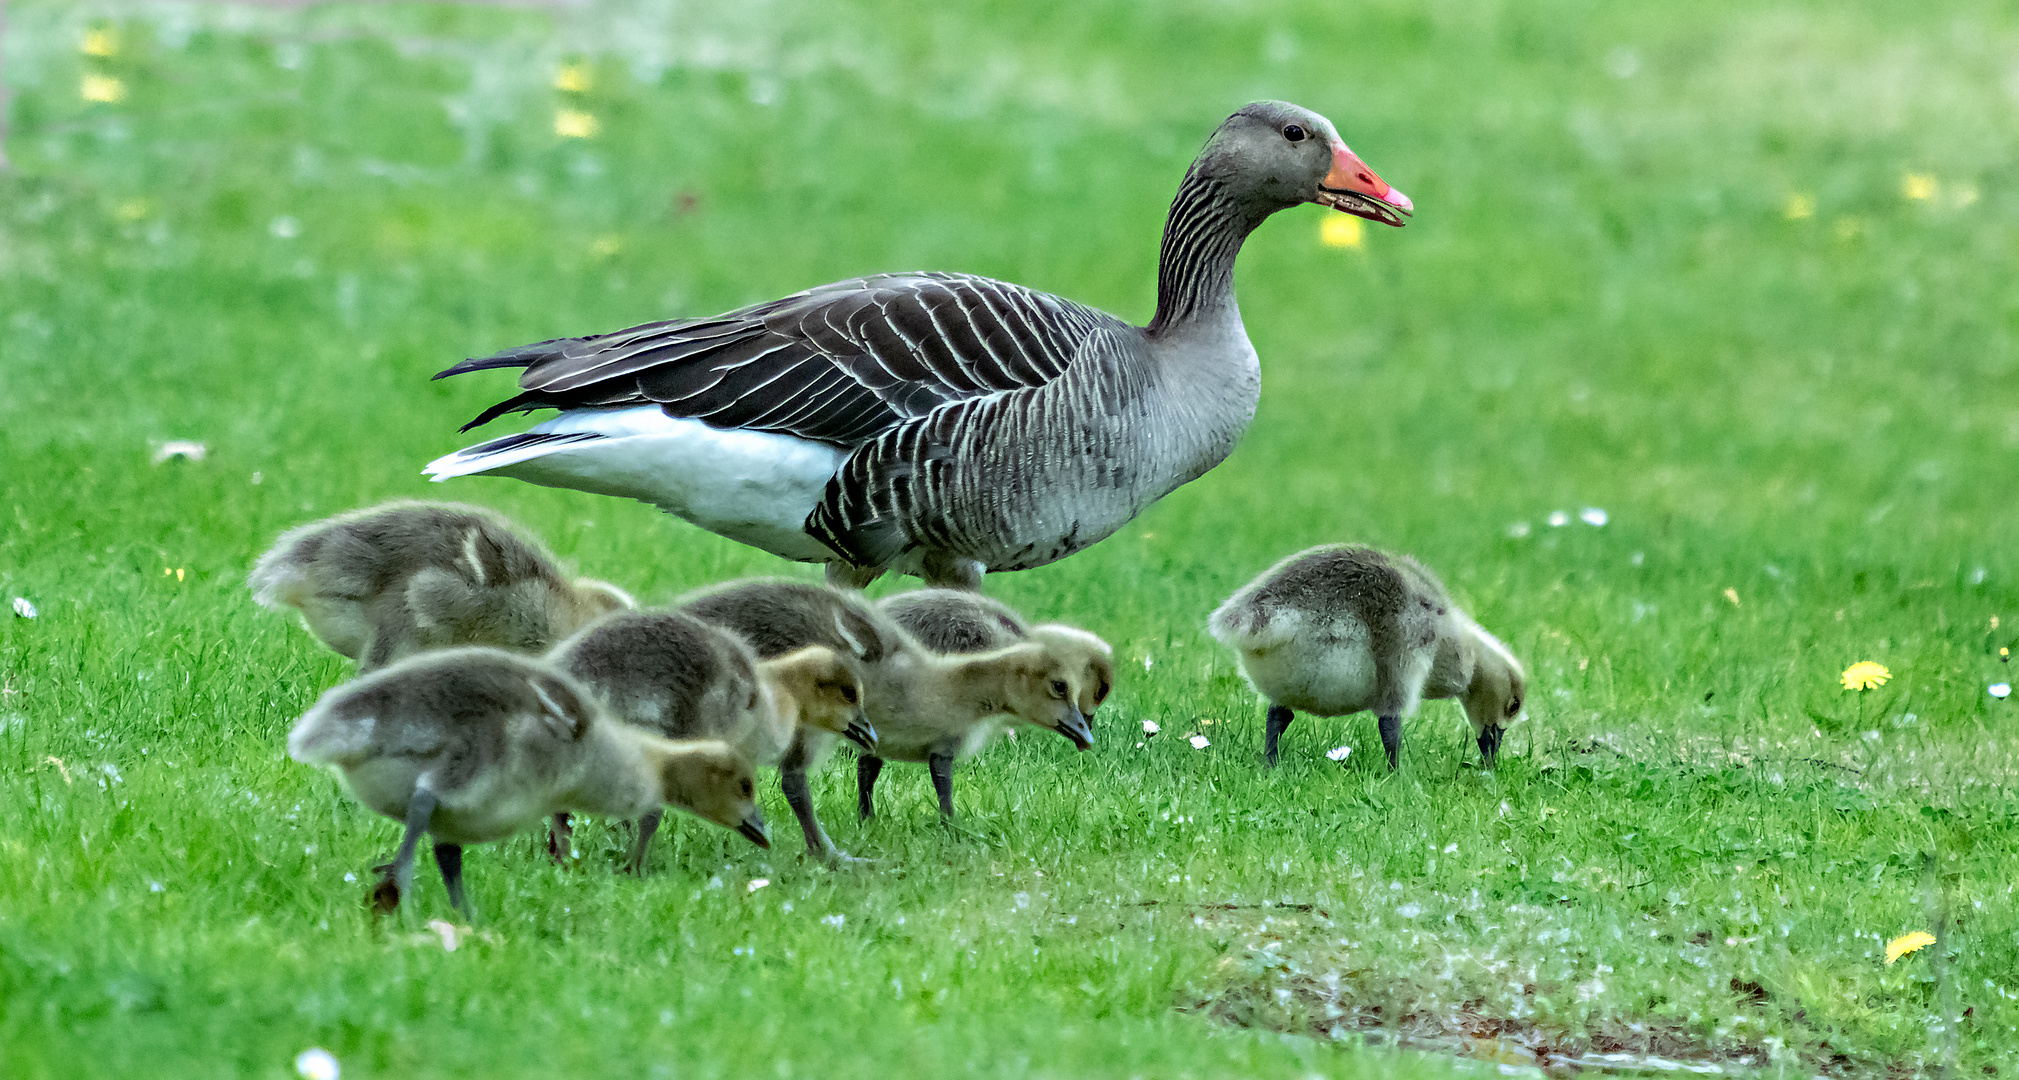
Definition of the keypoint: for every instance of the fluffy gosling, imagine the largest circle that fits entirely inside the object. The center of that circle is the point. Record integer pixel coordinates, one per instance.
(1338, 629)
(471, 745)
(958, 621)
(671, 673)
(926, 707)
(383, 583)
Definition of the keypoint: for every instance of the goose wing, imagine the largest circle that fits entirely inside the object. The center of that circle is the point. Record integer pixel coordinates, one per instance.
(838, 364)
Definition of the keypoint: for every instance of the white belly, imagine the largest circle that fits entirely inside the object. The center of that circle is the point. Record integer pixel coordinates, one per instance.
(1331, 677)
(750, 486)
(478, 814)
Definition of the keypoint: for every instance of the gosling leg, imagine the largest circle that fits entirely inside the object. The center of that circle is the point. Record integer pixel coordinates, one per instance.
(449, 860)
(942, 781)
(867, 768)
(398, 875)
(793, 782)
(1391, 740)
(1277, 721)
(561, 838)
(648, 827)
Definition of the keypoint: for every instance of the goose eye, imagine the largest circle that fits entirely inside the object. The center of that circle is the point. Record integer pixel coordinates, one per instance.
(748, 789)
(1514, 706)
(1294, 133)
(848, 694)
(1058, 688)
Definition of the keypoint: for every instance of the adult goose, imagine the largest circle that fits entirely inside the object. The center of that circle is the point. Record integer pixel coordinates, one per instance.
(936, 424)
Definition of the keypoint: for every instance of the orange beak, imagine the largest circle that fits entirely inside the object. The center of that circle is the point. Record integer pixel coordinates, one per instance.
(1353, 188)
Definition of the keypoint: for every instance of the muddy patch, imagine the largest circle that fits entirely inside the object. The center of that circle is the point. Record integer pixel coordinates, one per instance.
(1287, 969)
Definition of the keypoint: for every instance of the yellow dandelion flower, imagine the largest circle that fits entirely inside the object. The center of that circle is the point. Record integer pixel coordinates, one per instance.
(1342, 230)
(1919, 187)
(99, 42)
(1800, 206)
(1864, 675)
(103, 88)
(607, 246)
(575, 124)
(1908, 943)
(574, 78)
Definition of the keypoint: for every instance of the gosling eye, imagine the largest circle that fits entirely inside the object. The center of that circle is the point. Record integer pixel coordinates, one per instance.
(1514, 706)
(848, 694)
(1294, 132)
(1058, 688)
(747, 788)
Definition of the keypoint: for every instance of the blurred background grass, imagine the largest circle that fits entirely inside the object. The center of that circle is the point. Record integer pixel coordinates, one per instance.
(1737, 274)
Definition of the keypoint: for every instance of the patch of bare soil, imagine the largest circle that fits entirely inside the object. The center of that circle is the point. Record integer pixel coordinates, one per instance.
(1274, 981)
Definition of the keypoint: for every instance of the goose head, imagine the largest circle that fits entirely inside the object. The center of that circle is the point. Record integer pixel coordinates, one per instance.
(1493, 702)
(1273, 155)
(712, 781)
(825, 692)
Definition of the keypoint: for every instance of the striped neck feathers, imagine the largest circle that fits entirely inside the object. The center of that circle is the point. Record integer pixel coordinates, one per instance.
(1195, 269)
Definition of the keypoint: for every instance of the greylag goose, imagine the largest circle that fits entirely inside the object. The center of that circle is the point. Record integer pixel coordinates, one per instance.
(1338, 629)
(927, 708)
(936, 424)
(675, 675)
(386, 582)
(471, 745)
(959, 621)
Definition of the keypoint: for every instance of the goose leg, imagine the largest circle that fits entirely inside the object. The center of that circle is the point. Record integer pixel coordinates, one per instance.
(398, 875)
(1278, 719)
(944, 570)
(391, 639)
(1391, 739)
(942, 781)
(648, 827)
(793, 782)
(867, 768)
(844, 576)
(449, 860)
(561, 838)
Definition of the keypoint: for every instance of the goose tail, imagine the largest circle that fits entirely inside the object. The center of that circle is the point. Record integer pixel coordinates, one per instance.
(495, 454)
(518, 356)
(326, 736)
(1245, 626)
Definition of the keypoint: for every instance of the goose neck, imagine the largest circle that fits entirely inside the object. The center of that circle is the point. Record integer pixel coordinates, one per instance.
(1195, 268)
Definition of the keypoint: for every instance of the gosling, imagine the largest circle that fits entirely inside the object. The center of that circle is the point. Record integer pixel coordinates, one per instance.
(472, 745)
(671, 673)
(390, 581)
(958, 621)
(1339, 629)
(926, 707)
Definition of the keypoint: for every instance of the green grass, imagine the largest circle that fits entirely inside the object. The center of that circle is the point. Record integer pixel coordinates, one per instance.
(1802, 428)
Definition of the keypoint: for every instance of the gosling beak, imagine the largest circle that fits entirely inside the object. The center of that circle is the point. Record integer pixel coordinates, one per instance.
(1489, 744)
(1353, 188)
(752, 827)
(861, 734)
(1075, 727)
